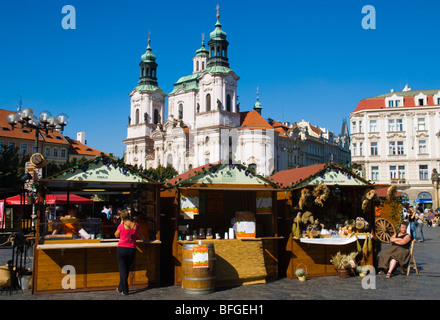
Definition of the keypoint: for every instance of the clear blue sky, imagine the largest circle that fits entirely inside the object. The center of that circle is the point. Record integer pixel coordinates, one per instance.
(311, 60)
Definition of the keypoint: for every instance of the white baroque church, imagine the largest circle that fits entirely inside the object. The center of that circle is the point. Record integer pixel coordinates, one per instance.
(204, 123)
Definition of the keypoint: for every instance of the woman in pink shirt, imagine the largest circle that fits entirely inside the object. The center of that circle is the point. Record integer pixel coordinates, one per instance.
(127, 232)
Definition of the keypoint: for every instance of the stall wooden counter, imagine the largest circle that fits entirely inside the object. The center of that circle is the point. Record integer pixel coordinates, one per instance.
(222, 197)
(330, 195)
(70, 264)
(238, 261)
(94, 264)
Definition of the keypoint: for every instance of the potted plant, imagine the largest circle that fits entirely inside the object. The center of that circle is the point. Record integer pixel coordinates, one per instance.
(362, 271)
(301, 274)
(344, 263)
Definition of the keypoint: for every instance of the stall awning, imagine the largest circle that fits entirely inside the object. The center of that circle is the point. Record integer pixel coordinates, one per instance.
(220, 176)
(326, 173)
(99, 174)
(52, 199)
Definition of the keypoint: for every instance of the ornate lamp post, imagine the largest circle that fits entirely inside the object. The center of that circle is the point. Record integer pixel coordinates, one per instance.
(45, 122)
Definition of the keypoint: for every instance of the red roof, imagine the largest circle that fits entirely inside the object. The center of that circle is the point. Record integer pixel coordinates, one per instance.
(26, 134)
(79, 149)
(252, 119)
(382, 192)
(287, 177)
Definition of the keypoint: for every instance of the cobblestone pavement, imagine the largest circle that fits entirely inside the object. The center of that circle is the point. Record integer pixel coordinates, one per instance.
(422, 286)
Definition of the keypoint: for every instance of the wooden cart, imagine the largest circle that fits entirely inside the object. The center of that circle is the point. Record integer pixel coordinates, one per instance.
(388, 214)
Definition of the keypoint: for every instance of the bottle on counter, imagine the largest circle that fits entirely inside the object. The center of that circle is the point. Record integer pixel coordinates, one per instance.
(201, 233)
(209, 233)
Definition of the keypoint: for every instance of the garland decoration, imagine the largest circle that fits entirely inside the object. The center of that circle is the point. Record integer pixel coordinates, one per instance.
(321, 193)
(305, 194)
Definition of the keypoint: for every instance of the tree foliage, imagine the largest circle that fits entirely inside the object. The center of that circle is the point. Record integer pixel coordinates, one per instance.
(161, 173)
(12, 168)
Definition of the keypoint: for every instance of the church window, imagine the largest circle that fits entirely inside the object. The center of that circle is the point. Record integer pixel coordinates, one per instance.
(156, 116)
(180, 111)
(197, 66)
(137, 117)
(228, 103)
(208, 102)
(203, 67)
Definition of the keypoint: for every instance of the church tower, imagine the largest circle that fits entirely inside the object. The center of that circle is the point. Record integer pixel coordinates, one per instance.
(146, 112)
(218, 85)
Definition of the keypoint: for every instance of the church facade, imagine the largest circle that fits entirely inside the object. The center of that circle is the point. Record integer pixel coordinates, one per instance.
(205, 125)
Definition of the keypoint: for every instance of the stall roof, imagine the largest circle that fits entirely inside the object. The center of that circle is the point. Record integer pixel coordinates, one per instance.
(325, 173)
(102, 172)
(221, 176)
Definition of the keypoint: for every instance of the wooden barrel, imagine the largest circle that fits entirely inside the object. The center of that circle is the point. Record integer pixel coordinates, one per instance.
(197, 280)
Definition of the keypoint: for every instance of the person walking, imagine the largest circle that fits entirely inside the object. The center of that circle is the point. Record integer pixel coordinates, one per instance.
(127, 232)
(420, 219)
(412, 222)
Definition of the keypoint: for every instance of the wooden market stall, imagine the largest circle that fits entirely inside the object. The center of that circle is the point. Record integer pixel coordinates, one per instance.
(324, 209)
(86, 260)
(232, 208)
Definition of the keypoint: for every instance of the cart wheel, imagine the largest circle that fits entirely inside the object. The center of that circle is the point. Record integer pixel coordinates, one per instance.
(384, 230)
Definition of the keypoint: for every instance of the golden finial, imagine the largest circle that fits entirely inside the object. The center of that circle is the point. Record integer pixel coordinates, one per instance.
(218, 7)
(149, 34)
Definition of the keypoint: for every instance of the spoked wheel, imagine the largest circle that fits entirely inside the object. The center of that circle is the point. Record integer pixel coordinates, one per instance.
(384, 230)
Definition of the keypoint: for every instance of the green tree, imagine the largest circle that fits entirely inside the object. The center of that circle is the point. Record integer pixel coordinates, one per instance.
(12, 168)
(161, 173)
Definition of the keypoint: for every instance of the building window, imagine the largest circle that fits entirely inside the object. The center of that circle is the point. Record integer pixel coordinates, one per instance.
(391, 125)
(391, 103)
(180, 111)
(63, 153)
(156, 116)
(354, 150)
(401, 172)
(422, 147)
(24, 148)
(373, 126)
(55, 152)
(393, 172)
(392, 148)
(375, 173)
(1, 146)
(137, 117)
(208, 102)
(360, 125)
(423, 172)
(373, 149)
(11, 144)
(421, 102)
(228, 103)
(354, 126)
(400, 147)
(399, 125)
(361, 148)
(421, 124)
(47, 151)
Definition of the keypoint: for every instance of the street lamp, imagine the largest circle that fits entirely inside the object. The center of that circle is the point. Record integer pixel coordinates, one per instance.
(45, 122)
(435, 178)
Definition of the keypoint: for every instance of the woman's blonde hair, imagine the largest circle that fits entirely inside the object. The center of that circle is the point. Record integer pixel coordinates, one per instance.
(125, 215)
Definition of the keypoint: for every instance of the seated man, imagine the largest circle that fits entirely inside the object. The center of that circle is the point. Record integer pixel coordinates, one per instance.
(398, 253)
